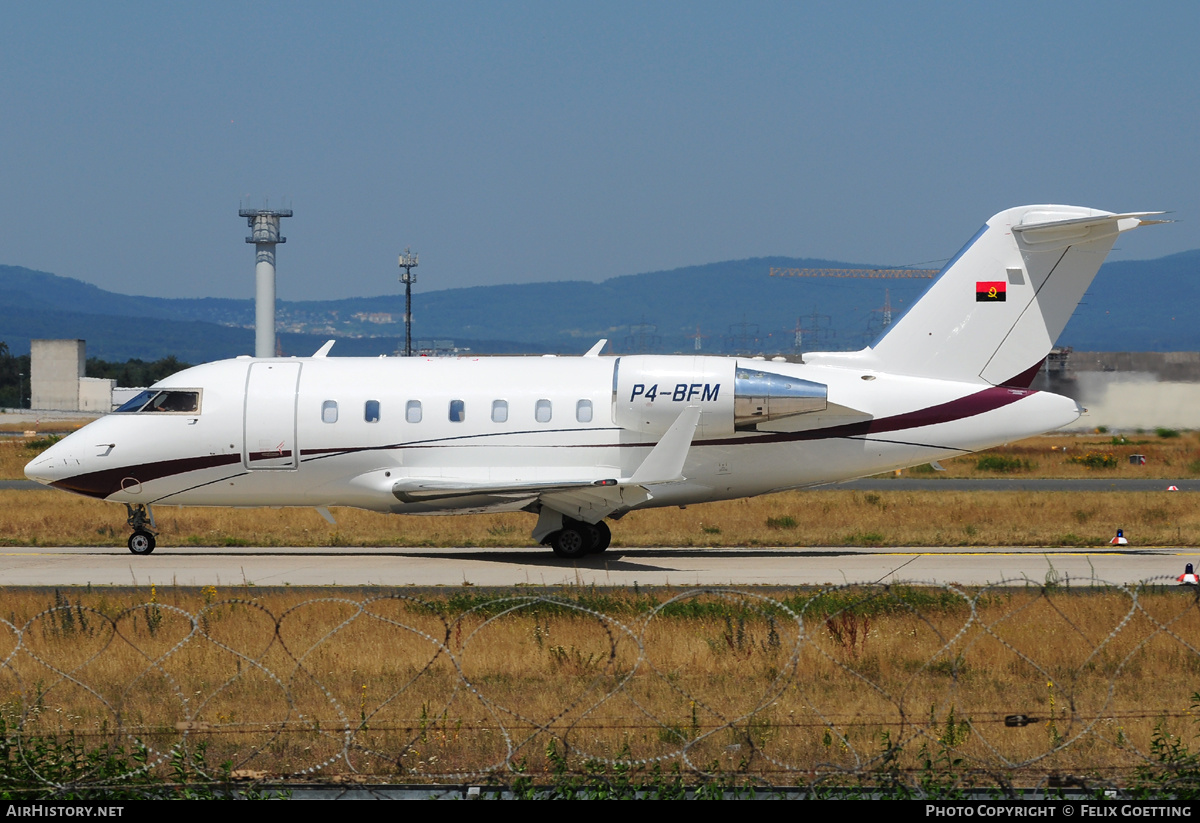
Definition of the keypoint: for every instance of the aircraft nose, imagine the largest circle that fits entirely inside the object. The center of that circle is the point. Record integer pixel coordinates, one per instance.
(55, 463)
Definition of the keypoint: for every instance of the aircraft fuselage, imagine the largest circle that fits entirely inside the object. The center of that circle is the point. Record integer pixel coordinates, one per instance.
(346, 431)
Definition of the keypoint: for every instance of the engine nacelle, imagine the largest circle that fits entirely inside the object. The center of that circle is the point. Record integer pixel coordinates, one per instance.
(650, 391)
(759, 396)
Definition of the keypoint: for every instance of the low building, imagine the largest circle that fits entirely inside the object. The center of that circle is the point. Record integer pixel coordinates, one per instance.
(57, 378)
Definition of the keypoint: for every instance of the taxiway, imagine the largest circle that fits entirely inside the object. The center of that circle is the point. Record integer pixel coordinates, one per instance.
(781, 566)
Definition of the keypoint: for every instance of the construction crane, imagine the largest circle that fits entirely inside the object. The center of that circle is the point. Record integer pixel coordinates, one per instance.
(872, 273)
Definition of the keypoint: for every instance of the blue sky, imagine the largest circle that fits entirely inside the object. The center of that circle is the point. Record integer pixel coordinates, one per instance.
(512, 142)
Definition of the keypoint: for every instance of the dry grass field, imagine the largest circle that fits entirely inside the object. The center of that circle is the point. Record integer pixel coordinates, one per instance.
(40, 427)
(811, 518)
(789, 690)
(310, 682)
(1170, 454)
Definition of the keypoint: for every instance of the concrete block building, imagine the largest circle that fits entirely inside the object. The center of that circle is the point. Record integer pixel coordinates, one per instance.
(57, 380)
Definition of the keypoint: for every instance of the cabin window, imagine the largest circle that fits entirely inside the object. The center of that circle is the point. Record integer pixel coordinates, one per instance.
(329, 411)
(542, 412)
(583, 411)
(371, 411)
(164, 400)
(499, 411)
(458, 411)
(412, 411)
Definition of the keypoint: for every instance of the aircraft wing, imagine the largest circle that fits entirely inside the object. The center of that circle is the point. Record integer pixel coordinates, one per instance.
(417, 489)
(586, 499)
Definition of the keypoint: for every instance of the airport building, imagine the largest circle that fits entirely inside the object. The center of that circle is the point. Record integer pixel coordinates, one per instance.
(57, 378)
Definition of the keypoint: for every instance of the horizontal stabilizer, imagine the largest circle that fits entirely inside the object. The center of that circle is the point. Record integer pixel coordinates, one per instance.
(1033, 229)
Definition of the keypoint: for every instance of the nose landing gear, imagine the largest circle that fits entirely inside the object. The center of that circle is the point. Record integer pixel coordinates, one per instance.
(141, 520)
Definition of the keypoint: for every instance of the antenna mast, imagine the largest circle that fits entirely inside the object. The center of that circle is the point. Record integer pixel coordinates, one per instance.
(408, 262)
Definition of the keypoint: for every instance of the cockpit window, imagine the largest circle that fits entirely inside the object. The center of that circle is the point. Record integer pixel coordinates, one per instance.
(163, 400)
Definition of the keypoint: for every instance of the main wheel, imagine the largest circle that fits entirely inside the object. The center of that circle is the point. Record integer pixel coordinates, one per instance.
(141, 542)
(572, 541)
(601, 537)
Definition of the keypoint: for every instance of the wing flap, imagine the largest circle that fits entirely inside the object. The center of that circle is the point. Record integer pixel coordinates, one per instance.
(594, 504)
(419, 490)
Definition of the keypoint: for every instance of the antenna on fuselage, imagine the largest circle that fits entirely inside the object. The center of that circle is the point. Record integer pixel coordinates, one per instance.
(264, 234)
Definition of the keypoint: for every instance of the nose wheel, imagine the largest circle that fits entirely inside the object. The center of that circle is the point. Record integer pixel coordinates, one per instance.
(141, 520)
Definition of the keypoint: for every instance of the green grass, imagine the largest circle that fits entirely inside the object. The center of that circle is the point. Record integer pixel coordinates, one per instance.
(1002, 464)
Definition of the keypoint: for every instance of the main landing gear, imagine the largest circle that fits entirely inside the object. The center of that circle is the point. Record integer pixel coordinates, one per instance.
(141, 520)
(577, 539)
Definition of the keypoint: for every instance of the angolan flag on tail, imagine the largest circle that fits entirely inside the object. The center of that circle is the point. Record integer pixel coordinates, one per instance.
(990, 291)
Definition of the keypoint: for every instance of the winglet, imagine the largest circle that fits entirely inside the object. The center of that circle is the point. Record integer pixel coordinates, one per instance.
(595, 350)
(324, 350)
(665, 462)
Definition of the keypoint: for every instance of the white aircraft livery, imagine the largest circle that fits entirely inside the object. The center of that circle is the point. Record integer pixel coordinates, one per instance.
(578, 440)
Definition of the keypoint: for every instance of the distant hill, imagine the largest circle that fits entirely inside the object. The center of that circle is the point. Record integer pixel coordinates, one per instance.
(1132, 306)
(1140, 305)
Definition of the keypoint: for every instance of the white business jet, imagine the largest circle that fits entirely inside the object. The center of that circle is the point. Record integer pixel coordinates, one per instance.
(578, 440)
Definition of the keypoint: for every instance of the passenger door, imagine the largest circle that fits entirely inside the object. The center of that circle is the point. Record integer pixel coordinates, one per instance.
(269, 440)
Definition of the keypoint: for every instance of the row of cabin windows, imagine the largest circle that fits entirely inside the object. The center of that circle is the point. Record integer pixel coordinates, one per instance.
(543, 411)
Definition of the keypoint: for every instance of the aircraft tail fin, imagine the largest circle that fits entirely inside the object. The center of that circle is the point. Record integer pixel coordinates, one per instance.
(999, 305)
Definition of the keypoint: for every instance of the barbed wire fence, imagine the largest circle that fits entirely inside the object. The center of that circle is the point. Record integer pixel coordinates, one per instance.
(918, 684)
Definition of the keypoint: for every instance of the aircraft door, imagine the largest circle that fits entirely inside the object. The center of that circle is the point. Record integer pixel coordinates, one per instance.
(269, 440)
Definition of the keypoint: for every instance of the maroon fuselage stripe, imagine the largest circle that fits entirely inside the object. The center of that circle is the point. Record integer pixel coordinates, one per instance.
(1025, 379)
(103, 483)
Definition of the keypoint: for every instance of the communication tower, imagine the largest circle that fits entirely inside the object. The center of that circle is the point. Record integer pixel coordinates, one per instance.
(408, 262)
(264, 234)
